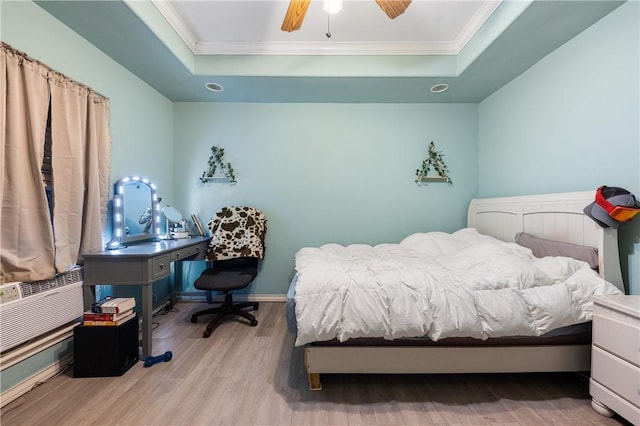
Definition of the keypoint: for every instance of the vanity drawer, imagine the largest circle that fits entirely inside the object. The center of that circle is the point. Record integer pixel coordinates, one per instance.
(616, 374)
(617, 334)
(160, 266)
(186, 252)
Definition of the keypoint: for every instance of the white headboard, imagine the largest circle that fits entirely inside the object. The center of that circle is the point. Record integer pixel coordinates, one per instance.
(552, 216)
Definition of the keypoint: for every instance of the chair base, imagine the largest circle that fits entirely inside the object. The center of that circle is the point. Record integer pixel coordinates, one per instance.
(227, 308)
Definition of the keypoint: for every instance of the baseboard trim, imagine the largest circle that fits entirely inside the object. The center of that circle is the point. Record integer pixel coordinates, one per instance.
(200, 296)
(29, 383)
(29, 349)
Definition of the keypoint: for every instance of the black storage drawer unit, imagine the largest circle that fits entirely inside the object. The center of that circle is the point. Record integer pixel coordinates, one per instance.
(103, 351)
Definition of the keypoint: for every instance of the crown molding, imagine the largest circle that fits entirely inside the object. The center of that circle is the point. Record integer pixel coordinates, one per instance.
(167, 10)
(475, 23)
(325, 48)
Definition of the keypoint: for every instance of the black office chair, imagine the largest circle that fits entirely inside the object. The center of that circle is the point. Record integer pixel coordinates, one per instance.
(237, 243)
(225, 276)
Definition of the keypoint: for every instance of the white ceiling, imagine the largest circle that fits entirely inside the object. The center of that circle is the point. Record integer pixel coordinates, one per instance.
(253, 27)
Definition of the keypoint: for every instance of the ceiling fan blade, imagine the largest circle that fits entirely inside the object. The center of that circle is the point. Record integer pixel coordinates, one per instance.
(393, 8)
(295, 15)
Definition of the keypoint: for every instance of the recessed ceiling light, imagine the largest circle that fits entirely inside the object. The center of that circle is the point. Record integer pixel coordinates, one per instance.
(439, 88)
(214, 87)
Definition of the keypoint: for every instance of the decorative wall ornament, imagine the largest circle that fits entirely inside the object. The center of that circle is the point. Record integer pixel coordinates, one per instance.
(434, 159)
(217, 162)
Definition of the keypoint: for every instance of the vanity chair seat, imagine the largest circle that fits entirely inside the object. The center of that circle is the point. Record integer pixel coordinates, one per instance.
(226, 276)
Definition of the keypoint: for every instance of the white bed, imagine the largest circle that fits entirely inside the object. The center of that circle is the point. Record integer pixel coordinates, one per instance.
(557, 217)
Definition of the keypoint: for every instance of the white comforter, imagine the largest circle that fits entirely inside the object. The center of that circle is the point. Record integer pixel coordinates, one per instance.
(439, 285)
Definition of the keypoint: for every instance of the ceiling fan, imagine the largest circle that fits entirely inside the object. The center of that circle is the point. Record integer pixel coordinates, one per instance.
(298, 9)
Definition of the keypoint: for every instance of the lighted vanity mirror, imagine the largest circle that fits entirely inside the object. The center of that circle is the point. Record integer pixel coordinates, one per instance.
(136, 211)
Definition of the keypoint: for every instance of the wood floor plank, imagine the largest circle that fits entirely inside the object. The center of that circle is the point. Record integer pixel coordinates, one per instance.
(244, 375)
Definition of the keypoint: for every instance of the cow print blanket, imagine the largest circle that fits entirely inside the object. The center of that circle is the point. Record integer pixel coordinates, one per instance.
(237, 231)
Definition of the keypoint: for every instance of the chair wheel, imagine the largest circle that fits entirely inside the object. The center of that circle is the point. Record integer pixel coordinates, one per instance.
(206, 333)
(194, 319)
(254, 323)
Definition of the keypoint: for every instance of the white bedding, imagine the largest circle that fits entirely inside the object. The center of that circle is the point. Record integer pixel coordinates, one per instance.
(439, 285)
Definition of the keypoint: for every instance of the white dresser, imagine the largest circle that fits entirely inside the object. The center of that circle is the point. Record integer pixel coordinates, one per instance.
(615, 357)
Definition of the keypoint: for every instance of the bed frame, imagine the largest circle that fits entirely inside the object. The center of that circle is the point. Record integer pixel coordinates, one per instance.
(552, 216)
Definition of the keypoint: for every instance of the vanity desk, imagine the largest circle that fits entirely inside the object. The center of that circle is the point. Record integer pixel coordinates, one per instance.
(139, 264)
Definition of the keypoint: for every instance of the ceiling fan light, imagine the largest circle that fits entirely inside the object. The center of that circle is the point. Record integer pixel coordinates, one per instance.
(332, 6)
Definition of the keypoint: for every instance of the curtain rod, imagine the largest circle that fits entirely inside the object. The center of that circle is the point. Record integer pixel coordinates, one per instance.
(25, 57)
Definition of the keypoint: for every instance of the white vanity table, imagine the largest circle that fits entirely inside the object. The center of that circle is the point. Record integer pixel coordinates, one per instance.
(140, 264)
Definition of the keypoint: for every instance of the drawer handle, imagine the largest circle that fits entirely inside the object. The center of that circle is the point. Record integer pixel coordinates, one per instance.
(162, 266)
(178, 254)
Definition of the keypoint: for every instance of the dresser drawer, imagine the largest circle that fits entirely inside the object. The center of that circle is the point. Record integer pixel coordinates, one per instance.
(616, 374)
(190, 251)
(160, 267)
(617, 334)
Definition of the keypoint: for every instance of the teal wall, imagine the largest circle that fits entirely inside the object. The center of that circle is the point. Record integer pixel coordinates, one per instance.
(571, 123)
(326, 172)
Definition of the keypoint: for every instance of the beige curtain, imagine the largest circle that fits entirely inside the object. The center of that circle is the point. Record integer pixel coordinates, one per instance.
(30, 248)
(26, 236)
(78, 151)
(97, 172)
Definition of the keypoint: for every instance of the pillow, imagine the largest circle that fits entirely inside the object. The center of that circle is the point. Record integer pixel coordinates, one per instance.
(542, 247)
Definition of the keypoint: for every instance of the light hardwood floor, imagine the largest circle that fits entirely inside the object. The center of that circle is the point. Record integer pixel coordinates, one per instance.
(245, 375)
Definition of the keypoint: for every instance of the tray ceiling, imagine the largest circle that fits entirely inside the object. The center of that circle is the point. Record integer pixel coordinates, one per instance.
(475, 47)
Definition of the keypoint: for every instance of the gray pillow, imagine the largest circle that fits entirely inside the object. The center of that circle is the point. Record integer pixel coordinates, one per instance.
(542, 247)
